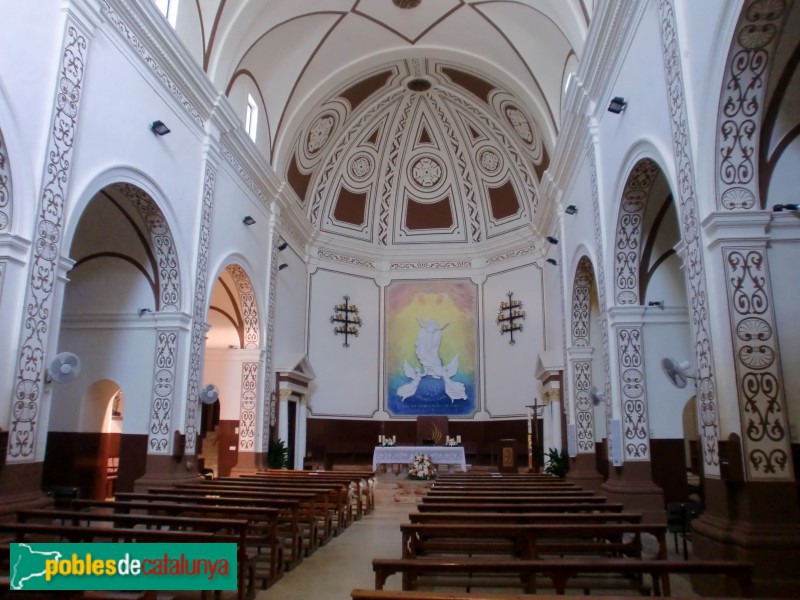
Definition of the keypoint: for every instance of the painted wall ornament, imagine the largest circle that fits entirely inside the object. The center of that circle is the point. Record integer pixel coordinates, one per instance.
(431, 347)
(428, 341)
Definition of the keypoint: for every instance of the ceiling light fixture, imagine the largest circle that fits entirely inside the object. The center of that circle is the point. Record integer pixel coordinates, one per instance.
(551, 239)
(248, 220)
(159, 128)
(571, 209)
(552, 261)
(283, 246)
(617, 105)
(282, 266)
(419, 84)
(406, 3)
(782, 207)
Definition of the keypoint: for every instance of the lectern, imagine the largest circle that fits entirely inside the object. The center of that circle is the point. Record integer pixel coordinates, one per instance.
(508, 455)
(431, 430)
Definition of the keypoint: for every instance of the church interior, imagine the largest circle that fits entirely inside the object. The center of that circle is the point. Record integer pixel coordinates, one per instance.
(239, 235)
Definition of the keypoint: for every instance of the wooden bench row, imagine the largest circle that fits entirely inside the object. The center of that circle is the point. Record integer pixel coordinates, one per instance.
(530, 540)
(559, 571)
(360, 483)
(364, 594)
(495, 530)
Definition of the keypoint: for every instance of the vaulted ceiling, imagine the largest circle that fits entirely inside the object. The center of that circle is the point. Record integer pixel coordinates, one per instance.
(400, 122)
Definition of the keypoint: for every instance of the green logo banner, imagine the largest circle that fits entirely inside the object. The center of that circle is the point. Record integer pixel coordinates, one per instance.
(130, 566)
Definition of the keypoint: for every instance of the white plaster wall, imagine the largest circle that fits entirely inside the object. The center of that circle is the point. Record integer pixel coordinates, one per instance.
(32, 34)
(666, 333)
(189, 27)
(704, 33)
(223, 368)
(118, 104)
(598, 364)
(238, 99)
(347, 382)
(645, 120)
(553, 303)
(786, 292)
(291, 302)
(510, 370)
(121, 351)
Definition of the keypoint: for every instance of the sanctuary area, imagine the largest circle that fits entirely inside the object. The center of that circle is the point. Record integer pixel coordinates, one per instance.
(332, 236)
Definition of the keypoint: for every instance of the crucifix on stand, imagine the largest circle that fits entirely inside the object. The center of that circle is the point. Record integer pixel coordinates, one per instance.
(534, 410)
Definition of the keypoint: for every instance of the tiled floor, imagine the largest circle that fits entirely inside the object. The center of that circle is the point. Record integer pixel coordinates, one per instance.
(345, 563)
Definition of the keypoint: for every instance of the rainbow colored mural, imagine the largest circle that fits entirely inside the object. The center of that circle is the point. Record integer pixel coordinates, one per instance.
(431, 347)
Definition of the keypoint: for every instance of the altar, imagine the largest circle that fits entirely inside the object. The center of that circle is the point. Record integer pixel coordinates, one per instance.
(440, 455)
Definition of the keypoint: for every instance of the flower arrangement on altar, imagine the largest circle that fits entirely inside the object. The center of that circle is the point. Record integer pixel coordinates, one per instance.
(421, 467)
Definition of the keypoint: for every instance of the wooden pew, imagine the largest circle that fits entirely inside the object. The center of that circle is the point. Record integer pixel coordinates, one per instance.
(39, 532)
(362, 594)
(484, 475)
(289, 515)
(560, 571)
(511, 499)
(519, 507)
(338, 502)
(313, 506)
(353, 500)
(466, 488)
(262, 529)
(513, 493)
(364, 481)
(468, 518)
(529, 540)
(504, 485)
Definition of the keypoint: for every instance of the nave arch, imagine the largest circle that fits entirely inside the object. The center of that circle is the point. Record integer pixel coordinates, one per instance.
(234, 352)
(648, 320)
(123, 315)
(587, 422)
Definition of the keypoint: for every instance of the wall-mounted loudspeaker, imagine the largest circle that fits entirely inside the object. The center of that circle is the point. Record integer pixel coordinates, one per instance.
(64, 367)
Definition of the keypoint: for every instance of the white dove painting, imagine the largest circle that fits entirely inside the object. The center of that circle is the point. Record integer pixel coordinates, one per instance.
(431, 347)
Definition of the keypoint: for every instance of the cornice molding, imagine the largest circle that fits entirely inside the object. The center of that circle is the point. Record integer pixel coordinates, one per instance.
(740, 226)
(145, 31)
(15, 248)
(150, 321)
(611, 33)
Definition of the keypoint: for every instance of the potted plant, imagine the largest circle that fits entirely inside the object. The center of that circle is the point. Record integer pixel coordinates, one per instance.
(557, 463)
(277, 455)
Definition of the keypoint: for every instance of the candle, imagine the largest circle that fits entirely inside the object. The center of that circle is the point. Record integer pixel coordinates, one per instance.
(394, 438)
(458, 439)
(380, 439)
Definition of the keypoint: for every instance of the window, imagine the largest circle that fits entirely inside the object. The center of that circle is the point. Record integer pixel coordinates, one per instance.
(168, 8)
(251, 117)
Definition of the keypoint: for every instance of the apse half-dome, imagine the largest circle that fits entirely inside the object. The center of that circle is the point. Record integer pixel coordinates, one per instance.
(418, 152)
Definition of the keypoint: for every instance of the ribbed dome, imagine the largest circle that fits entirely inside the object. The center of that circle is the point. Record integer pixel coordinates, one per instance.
(418, 152)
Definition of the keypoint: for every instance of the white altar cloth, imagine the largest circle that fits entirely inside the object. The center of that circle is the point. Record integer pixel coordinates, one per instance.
(440, 455)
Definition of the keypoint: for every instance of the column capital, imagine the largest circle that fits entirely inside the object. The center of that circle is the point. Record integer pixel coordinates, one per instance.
(580, 352)
(630, 314)
(749, 227)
